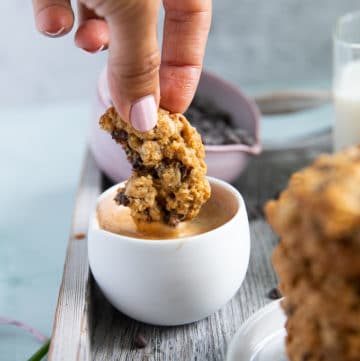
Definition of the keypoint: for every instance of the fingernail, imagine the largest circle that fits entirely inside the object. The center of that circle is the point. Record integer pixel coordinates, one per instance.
(56, 33)
(102, 47)
(143, 114)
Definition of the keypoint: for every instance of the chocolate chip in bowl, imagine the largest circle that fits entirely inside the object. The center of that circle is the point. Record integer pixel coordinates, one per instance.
(226, 118)
(216, 126)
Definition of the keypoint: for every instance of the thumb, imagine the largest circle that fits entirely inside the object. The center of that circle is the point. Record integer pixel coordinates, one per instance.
(134, 60)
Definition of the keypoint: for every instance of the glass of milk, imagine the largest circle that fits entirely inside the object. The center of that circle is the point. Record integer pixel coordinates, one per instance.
(346, 82)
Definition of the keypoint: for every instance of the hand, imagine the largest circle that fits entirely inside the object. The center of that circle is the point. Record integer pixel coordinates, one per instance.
(129, 29)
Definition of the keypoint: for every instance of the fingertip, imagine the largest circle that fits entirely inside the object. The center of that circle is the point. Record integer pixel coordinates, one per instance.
(55, 20)
(92, 36)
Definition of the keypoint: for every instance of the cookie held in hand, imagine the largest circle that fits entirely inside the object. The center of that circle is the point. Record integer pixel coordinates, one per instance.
(168, 182)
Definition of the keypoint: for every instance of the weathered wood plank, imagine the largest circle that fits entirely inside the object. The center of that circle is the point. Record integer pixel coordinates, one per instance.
(87, 327)
(70, 341)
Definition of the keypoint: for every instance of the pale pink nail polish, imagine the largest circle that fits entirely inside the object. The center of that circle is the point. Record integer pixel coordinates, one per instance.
(143, 114)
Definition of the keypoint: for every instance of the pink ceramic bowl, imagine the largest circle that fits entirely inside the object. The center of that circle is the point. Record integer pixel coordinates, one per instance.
(224, 161)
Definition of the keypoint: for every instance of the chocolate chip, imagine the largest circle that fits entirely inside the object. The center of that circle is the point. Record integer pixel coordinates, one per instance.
(155, 173)
(172, 219)
(243, 135)
(276, 195)
(248, 140)
(160, 169)
(226, 119)
(274, 294)
(138, 164)
(134, 159)
(306, 356)
(255, 212)
(289, 309)
(193, 113)
(215, 125)
(140, 341)
(240, 132)
(185, 172)
(131, 156)
(119, 135)
(122, 199)
(146, 213)
(161, 201)
(213, 138)
(232, 137)
(205, 125)
(252, 214)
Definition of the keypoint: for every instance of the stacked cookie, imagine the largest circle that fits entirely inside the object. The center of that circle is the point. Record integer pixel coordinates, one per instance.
(318, 258)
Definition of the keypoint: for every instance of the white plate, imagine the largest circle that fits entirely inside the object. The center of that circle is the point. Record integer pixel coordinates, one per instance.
(261, 337)
(290, 130)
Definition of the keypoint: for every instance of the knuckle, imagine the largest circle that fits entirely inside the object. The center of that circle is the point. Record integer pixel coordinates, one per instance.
(142, 70)
(111, 8)
(135, 8)
(43, 5)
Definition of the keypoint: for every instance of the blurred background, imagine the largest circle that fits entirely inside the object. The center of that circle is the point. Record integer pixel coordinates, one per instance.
(46, 89)
(251, 42)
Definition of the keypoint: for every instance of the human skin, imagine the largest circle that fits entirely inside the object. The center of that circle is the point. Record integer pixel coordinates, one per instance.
(141, 77)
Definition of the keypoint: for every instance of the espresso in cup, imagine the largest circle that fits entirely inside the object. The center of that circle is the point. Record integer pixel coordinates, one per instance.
(218, 210)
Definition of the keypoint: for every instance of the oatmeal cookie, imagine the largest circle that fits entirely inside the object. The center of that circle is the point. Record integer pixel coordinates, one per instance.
(168, 183)
(318, 258)
(315, 337)
(328, 192)
(302, 253)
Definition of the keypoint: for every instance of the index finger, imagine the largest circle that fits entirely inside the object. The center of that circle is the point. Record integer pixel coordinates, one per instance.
(186, 29)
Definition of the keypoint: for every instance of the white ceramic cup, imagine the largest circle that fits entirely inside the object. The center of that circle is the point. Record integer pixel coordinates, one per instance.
(175, 281)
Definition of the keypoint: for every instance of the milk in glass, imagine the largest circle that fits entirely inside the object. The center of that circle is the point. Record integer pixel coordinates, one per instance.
(347, 106)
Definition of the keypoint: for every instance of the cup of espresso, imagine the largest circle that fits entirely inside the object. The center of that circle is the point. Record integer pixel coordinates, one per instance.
(166, 276)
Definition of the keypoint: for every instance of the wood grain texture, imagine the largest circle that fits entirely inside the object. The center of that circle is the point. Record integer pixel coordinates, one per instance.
(70, 340)
(113, 334)
(88, 328)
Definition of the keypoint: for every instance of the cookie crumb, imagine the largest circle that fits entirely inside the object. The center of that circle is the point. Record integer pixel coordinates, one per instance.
(79, 236)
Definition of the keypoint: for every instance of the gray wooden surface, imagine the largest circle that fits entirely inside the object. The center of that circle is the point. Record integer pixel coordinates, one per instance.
(88, 328)
(70, 339)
